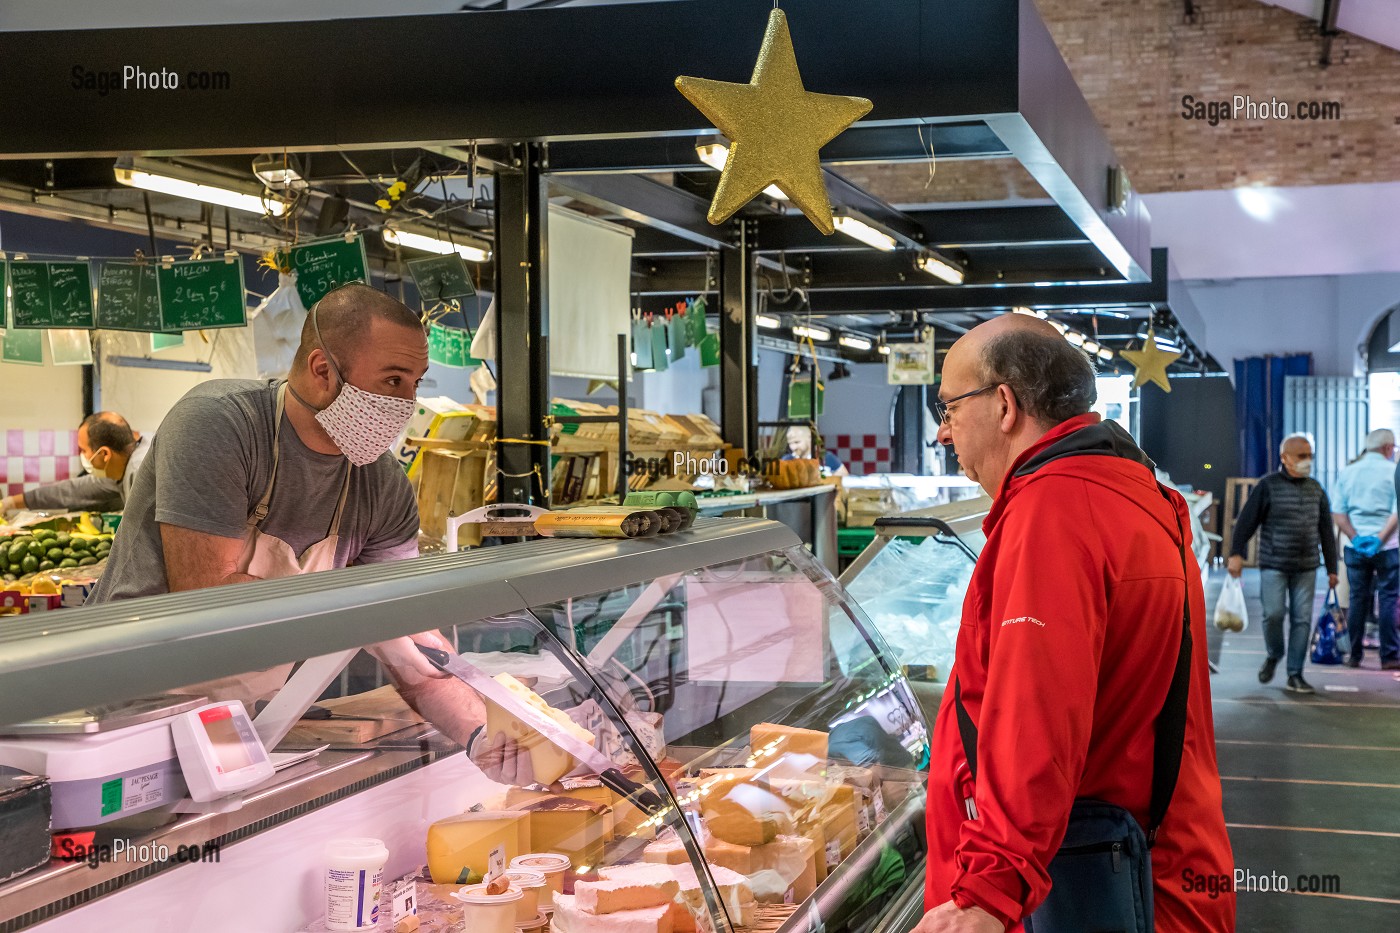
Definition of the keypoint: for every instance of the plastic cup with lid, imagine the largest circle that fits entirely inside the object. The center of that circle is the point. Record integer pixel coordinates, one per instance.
(489, 913)
(550, 864)
(531, 884)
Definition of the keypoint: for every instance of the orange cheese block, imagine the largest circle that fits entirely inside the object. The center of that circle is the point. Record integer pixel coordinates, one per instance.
(459, 847)
(747, 815)
(795, 859)
(781, 739)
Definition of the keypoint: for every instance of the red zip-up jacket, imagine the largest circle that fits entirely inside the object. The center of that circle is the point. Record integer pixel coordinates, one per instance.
(1070, 633)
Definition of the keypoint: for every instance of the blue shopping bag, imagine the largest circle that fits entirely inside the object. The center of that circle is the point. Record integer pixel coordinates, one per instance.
(1329, 632)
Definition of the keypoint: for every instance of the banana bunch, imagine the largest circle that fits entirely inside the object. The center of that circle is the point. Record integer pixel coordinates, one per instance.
(86, 526)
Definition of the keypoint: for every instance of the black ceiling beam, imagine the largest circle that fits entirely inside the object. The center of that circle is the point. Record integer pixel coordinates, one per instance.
(963, 298)
(644, 201)
(859, 144)
(963, 228)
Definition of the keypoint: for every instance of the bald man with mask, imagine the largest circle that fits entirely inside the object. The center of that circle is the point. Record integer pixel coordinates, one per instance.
(252, 480)
(1070, 646)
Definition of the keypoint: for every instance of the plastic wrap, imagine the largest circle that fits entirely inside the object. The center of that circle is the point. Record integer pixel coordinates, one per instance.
(913, 591)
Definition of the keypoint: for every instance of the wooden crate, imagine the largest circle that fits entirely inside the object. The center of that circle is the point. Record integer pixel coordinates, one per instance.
(453, 483)
(1237, 490)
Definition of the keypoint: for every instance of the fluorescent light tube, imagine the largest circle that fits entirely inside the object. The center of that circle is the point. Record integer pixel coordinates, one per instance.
(209, 194)
(855, 342)
(1026, 311)
(430, 244)
(884, 350)
(813, 332)
(1091, 347)
(1075, 338)
(862, 231)
(940, 268)
(715, 155)
(1105, 354)
(767, 321)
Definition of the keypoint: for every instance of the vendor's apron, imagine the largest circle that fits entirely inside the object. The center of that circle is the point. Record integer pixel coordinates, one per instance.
(271, 558)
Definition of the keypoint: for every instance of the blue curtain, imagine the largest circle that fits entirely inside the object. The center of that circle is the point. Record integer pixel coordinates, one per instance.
(1259, 407)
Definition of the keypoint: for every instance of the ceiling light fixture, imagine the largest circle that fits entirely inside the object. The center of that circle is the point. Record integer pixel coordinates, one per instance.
(812, 332)
(767, 321)
(1105, 354)
(715, 154)
(279, 172)
(856, 342)
(1091, 348)
(163, 178)
(941, 267)
(859, 230)
(1075, 338)
(432, 244)
(884, 350)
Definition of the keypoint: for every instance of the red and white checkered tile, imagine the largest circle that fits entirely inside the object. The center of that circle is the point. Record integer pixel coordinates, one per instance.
(35, 458)
(862, 454)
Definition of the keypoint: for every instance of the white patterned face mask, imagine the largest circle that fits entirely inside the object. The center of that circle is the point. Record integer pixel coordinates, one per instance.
(362, 424)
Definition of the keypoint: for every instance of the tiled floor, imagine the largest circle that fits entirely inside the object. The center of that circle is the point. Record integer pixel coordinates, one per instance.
(1312, 784)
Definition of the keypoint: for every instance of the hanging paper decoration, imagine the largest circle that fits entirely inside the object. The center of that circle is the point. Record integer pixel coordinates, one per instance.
(1151, 362)
(776, 129)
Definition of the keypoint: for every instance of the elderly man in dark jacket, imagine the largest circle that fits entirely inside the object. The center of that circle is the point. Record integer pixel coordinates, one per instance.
(1290, 511)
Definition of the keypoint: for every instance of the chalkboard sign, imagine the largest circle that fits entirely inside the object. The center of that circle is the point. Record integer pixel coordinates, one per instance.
(441, 278)
(127, 297)
(327, 264)
(450, 346)
(202, 294)
(50, 294)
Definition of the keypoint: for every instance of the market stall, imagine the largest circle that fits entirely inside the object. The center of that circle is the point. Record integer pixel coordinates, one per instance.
(769, 780)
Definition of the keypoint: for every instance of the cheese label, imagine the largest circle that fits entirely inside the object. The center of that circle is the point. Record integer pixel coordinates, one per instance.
(788, 896)
(833, 853)
(405, 900)
(880, 811)
(862, 818)
(142, 790)
(496, 863)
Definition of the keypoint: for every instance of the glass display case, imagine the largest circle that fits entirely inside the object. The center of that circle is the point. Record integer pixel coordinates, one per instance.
(696, 733)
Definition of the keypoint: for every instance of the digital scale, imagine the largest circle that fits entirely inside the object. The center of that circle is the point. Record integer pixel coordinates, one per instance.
(110, 762)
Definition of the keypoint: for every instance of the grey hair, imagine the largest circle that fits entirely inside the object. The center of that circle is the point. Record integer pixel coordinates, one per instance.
(1052, 380)
(1296, 435)
(1380, 437)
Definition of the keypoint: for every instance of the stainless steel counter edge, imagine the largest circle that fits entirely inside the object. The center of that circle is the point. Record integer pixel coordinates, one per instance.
(75, 658)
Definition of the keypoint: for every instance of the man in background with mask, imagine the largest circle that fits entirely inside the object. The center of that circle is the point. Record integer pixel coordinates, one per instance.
(252, 480)
(1363, 506)
(1290, 511)
(110, 451)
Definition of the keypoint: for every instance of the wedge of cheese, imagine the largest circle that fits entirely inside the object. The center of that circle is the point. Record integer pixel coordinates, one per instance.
(570, 917)
(735, 858)
(792, 857)
(549, 763)
(459, 847)
(576, 828)
(786, 739)
(610, 897)
(665, 851)
(747, 815)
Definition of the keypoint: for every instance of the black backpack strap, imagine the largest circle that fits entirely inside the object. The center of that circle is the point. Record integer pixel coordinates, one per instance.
(1170, 733)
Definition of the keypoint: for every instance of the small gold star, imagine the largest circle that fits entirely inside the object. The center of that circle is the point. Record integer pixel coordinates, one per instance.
(776, 130)
(1151, 363)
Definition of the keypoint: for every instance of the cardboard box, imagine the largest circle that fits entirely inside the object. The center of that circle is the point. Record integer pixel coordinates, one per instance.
(438, 417)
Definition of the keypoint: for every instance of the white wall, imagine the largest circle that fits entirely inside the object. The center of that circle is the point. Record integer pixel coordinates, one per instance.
(39, 398)
(1330, 317)
(144, 396)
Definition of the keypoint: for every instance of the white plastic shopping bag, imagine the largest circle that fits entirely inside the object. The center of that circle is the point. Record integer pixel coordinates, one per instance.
(1230, 613)
(277, 328)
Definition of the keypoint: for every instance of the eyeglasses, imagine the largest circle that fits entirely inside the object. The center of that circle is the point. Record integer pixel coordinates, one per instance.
(940, 407)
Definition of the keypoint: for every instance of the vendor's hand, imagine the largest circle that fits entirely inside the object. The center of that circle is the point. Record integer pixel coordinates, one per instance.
(1235, 565)
(503, 759)
(405, 663)
(950, 918)
(1331, 581)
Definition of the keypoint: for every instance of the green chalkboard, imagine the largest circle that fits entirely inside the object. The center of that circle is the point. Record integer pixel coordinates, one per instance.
(441, 278)
(202, 294)
(127, 297)
(327, 264)
(50, 294)
(450, 346)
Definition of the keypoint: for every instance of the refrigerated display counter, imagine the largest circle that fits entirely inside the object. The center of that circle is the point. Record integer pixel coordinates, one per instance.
(752, 757)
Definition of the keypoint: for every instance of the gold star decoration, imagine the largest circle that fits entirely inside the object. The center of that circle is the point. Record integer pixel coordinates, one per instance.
(776, 129)
(1151, 363)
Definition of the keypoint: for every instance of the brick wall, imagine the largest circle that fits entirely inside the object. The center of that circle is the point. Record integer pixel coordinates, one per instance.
(1135, 61)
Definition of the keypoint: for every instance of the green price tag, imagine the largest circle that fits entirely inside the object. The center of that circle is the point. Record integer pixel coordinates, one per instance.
(805, 402)
(441, 278)
(709, 350)
(641, 345)
(450, 346)
(166, 341)
(127, 297)
(51, 294)
(659, 361)
(111, 796)
(202, 294)
(695, 322)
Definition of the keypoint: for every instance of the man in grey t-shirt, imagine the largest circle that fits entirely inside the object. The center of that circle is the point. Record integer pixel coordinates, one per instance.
(111, 453)
(233, 493)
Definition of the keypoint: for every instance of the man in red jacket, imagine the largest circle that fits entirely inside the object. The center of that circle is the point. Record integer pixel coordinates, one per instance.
(1070, 633)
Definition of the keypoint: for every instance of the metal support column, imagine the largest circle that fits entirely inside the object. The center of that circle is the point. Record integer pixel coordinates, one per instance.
(909, 442)
(738, 376)
(522, 321)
